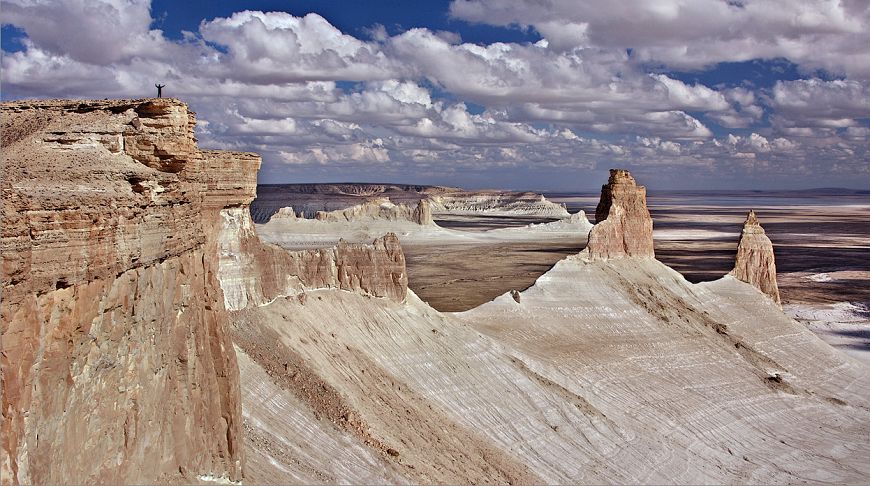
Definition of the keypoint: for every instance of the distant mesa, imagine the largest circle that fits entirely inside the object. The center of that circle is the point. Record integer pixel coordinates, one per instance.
(308, 199)
(755, 263)
(380, 209)
(623, 226)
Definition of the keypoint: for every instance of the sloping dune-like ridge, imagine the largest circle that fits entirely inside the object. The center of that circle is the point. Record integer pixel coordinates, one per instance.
(561, 388)
(714, 374)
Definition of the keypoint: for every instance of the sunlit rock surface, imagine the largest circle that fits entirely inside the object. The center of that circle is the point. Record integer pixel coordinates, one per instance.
(755, 263)
(149, 335)
(623, 226)
(606, 370)
(308, 199)
(117, 365)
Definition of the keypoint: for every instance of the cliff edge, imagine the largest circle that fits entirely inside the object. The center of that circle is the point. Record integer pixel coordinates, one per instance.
(125, 249)
(117, 365)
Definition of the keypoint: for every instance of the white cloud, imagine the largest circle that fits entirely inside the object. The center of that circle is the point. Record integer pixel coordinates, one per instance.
(302, 92)
(278, 47)
(89, 31)
(818, 103)
(830, 34)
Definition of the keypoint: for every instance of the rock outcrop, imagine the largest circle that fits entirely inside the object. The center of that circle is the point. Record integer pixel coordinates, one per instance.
(623, 226)
(422, 214)
(117, 365)
(501, 203)
(755, 263)
(253, 273)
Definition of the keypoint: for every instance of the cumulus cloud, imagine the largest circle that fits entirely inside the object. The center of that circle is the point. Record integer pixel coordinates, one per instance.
(304, 93)
(818, 103)
(97, 32)
(278, 47)
(827, 34)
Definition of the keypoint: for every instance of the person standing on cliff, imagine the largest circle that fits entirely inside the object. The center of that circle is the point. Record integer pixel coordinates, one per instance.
(160, 89)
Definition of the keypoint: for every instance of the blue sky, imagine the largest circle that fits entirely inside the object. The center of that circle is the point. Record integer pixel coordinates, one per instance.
(524, 94)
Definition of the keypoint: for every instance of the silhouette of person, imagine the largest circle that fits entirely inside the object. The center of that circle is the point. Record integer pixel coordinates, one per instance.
(160, 89)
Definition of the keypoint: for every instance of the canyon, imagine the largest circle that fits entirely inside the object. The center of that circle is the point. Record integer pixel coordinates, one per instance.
(155, 331)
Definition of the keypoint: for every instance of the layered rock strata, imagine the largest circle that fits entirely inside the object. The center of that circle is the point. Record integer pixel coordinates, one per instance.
(117, 365)
(503, 203)
(755, 263)
(623, 226)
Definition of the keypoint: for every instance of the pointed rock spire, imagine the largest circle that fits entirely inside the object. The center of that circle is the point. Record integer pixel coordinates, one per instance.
(623, 226)
(755, 263)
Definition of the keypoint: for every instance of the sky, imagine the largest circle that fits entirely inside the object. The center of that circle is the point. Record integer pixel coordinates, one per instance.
(517, 94)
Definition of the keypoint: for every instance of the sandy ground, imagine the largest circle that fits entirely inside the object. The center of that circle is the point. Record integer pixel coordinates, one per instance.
(460, 277)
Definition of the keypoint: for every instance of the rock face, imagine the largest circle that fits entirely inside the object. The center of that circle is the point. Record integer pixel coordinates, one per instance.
(755, 263)
(125, 248)
(503, 203)
(623, 226)
(117, 365)
(422, 214)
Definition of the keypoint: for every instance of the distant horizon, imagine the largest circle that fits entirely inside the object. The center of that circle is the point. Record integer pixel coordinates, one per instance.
(845, 190)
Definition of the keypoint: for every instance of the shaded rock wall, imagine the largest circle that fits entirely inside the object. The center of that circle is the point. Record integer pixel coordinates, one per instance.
(755, 263)
(116, 361)
(623, 226)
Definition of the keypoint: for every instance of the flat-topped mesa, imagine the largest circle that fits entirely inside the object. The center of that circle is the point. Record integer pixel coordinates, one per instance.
(380, 209)
(755, 263)
(623, 226)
